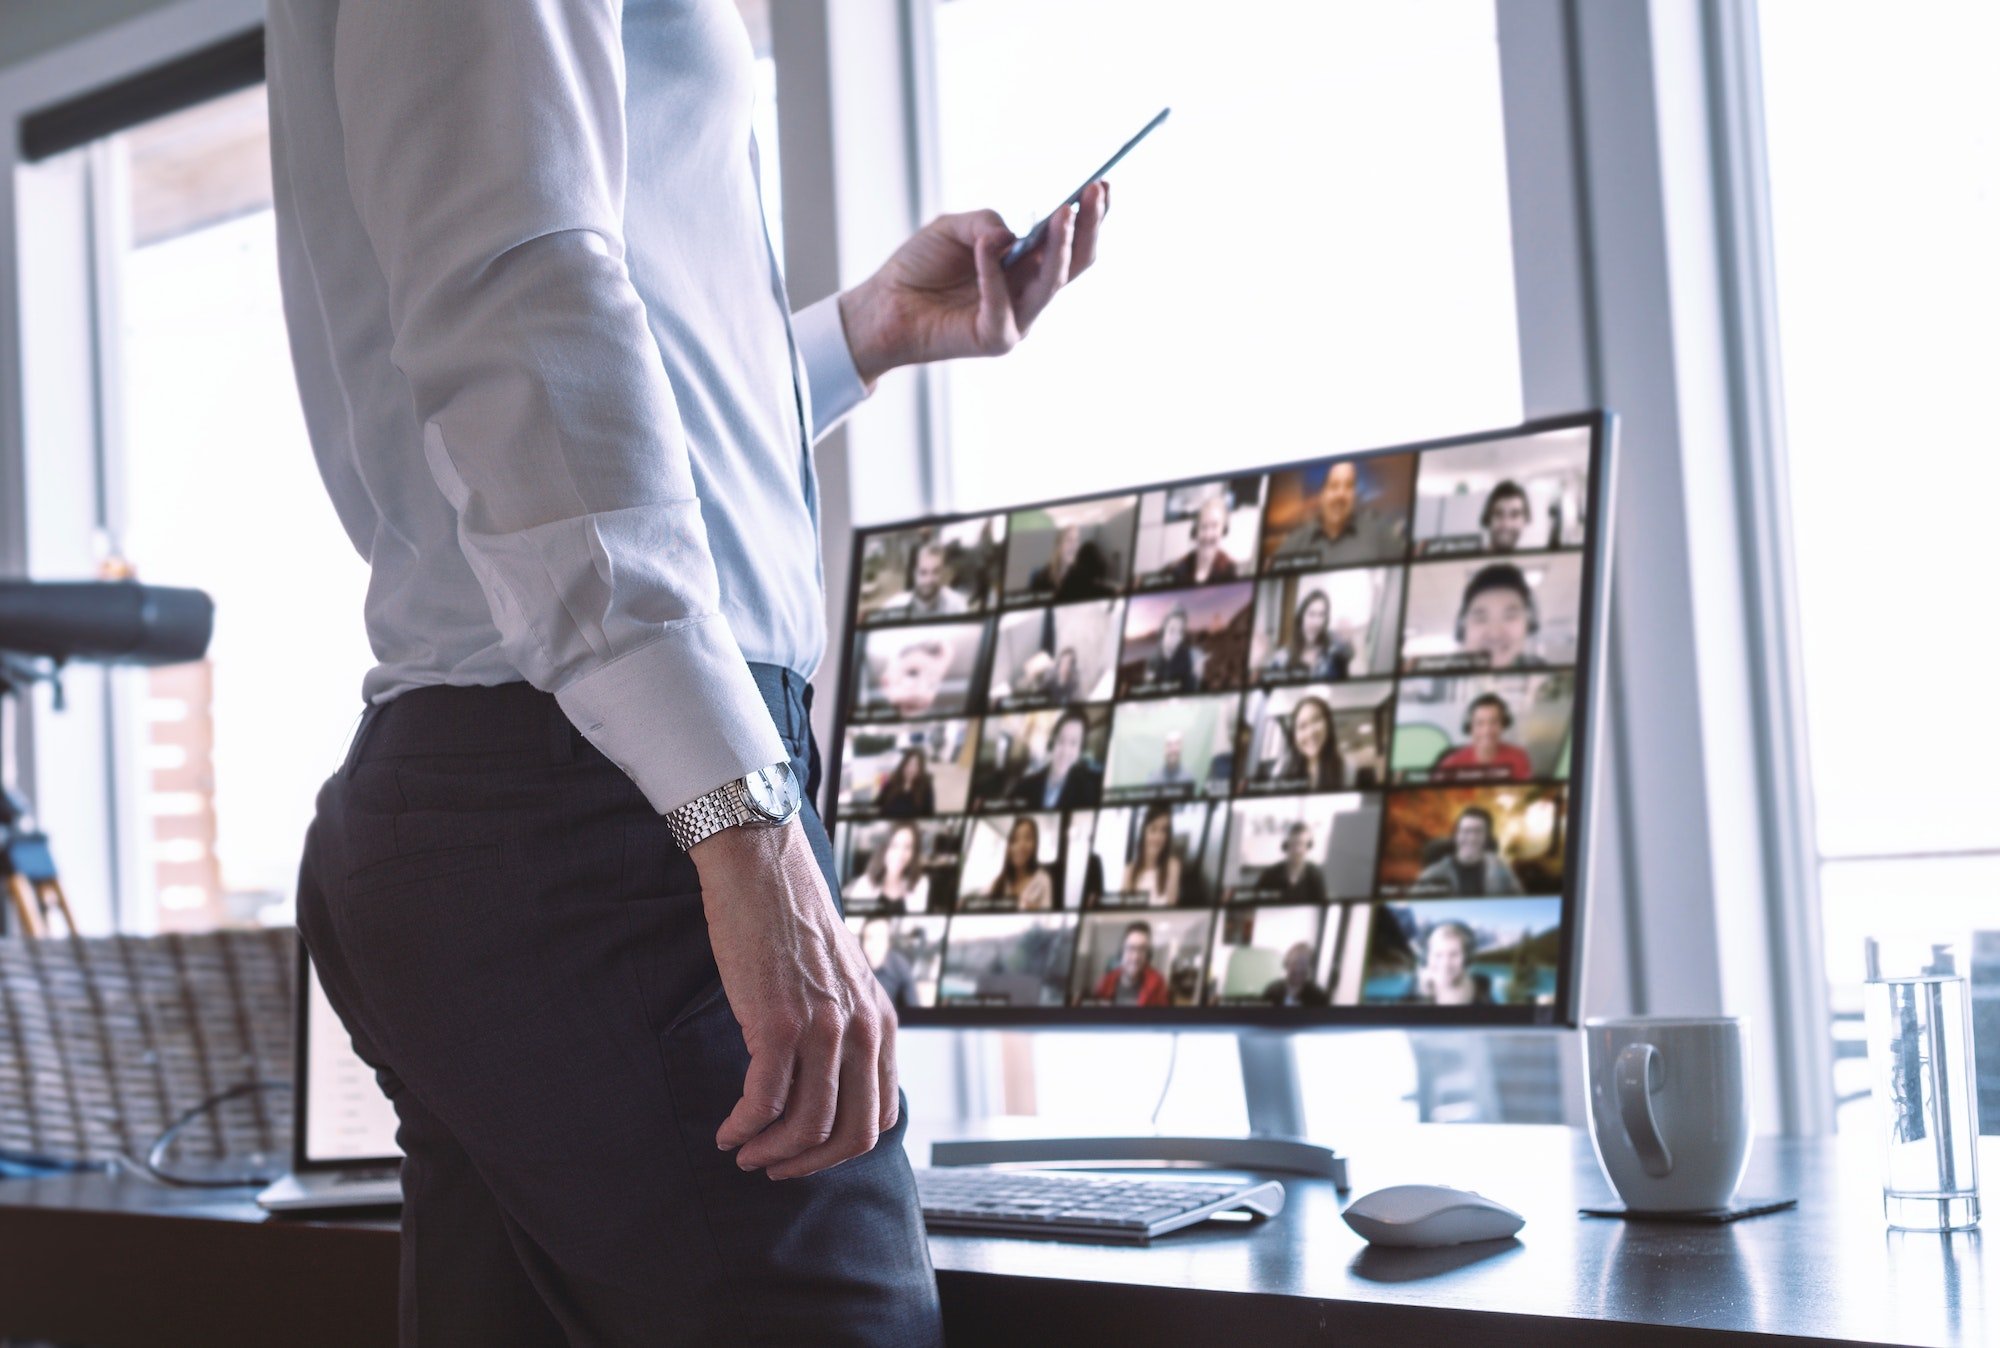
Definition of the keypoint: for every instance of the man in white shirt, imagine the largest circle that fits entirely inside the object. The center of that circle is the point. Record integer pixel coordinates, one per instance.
(568, 893)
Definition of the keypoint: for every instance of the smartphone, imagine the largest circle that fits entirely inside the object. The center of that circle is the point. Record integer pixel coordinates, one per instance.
(1026, 243)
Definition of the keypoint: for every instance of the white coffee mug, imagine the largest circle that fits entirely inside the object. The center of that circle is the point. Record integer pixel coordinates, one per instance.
(1669, 1109)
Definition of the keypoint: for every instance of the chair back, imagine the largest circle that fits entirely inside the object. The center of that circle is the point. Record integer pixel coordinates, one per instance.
(106, 1040)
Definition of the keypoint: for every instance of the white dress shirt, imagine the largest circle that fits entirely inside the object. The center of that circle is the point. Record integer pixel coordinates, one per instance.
(547, 364)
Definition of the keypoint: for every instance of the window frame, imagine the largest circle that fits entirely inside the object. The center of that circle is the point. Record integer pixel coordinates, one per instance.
(94, 816)
(1641, 236)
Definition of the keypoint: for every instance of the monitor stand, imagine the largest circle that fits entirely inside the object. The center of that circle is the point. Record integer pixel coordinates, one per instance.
(1275, 1142)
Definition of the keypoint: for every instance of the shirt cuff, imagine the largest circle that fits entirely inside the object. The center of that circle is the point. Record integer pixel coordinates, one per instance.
(680, 715)
(834, 383)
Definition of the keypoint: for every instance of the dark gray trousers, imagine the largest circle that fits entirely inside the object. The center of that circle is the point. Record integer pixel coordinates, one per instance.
(519, 950)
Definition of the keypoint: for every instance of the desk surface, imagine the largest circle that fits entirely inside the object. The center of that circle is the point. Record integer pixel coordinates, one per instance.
(210, 1266)
(1828, 1271)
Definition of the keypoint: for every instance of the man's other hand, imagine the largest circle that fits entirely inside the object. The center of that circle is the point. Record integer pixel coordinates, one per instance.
(944, 294)
(821, 1034)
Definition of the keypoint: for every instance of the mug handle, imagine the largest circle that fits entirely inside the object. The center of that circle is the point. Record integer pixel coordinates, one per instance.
(1640, 1072)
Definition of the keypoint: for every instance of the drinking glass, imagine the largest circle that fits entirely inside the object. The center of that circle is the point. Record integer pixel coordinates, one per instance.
(1920, 1057)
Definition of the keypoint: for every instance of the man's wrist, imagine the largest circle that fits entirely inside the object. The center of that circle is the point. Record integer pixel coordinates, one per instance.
(763, 799)
(740, 845)
(862, 320)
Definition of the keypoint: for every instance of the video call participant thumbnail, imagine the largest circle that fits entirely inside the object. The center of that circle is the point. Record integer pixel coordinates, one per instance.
(1068, 778)
(1487, 754)
(1056, 657)
(1008, 959)
(1251, 948)
(1159, 855)
(1474, 842)
(1013, 863)
(1042, 760)
(1151, 961)
(1302, 849)
(1487, 615)
(1025, 862)
(898, 865)
(901, 673)
(1347, 512)
(1488, 952)
(1327, 626)
(906, 954)
(1200, 534)
(1519, 494)
(1316, 737)
(1295, 987)
(1295, 879)
(1172, 749)
(1186, 641)
(1067, 553)
(906, 771)
(1472, 865)
(931, 571)
(909, 790)
(1487, 728)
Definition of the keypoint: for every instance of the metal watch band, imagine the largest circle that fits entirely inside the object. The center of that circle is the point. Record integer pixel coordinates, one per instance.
(705, 816)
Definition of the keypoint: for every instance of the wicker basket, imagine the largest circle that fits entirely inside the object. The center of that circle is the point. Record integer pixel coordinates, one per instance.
(104, 1041)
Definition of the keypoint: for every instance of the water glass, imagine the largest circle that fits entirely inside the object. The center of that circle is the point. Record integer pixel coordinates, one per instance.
(1920, 1058)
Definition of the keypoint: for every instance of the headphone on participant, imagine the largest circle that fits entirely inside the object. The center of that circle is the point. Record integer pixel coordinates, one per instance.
(1490, 700)
(1485, 816)
(1497, 576)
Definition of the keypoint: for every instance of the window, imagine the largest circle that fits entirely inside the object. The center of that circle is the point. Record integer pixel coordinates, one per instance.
(204, 477)
(1312, 254)
(1885, 204)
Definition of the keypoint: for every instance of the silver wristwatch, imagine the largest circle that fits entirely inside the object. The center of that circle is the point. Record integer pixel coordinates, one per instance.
(766, 798)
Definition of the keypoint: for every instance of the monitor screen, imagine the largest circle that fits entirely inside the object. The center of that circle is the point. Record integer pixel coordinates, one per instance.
(1290, 747)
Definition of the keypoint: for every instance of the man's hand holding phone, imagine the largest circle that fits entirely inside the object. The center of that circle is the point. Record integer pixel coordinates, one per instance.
(963, 285)
(945, 293)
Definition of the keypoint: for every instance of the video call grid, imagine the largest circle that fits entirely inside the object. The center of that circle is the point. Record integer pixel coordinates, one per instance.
(1336, 914)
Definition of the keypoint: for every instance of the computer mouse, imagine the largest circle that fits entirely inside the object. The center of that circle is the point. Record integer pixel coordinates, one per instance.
(1424, 1215)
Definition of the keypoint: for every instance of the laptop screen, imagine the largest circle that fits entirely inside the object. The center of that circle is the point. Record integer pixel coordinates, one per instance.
(343, 1116)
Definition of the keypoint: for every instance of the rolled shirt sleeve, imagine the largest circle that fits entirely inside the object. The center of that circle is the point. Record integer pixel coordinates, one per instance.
(484, 145)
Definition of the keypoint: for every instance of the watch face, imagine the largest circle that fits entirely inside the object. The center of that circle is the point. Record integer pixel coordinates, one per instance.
(773, 792)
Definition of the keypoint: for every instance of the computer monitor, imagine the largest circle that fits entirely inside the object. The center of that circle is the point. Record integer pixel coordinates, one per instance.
(1305, 745)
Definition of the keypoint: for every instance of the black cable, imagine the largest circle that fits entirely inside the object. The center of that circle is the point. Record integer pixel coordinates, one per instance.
(1173, 1056)
(151, 1167)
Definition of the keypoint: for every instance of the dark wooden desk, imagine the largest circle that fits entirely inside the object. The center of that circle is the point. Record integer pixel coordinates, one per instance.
(111, 1262)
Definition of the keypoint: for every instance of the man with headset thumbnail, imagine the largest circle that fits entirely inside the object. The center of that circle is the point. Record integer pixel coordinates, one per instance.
(1486, 756)
(1497, 618)
(1473, 868)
